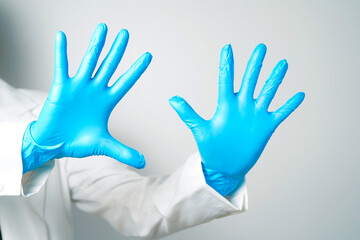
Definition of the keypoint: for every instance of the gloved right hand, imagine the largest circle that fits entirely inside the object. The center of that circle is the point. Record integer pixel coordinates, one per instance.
(74, 118)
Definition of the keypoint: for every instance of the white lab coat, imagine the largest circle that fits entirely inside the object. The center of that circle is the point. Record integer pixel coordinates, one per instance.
(37, 205)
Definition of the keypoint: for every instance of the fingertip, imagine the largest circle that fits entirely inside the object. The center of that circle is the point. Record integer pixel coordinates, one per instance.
(148, 57)
(177, 103)
(226, 51)
(175, 99)
(142, 162)
(226, 56)
(258, 55)
(229, 47)
(60, 37)
(102, 26)
(301, 96)
(148, 54)
(143, 165)
(124, 33)
(143, 62)
(172, 104)
(129, 157)
(60, 43)
(226, 47)
(284, 62)
(296, 100)
(60, 34)
(261, 46)
(281, 67)
(230, 53)
(261, 49)
(100, 31)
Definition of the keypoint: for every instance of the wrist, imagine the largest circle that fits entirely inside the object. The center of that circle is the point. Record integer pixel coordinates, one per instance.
(35, 155)
(220, 182)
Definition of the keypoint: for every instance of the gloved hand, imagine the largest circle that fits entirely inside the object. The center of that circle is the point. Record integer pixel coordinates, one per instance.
(232, 141)
(74, 118)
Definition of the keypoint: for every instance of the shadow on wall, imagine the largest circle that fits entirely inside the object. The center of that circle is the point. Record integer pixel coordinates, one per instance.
(9, 49)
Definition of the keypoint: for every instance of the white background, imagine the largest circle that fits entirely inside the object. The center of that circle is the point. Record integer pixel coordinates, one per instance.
(306, 183)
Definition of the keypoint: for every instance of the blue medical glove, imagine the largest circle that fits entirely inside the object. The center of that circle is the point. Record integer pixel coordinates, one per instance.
(74, 119)
(232, 141)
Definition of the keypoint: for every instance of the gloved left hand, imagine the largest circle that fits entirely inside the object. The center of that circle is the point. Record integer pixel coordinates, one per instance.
(231, 142)
(74, 118)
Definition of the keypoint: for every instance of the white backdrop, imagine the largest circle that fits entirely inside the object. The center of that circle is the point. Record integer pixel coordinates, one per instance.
(306, 183)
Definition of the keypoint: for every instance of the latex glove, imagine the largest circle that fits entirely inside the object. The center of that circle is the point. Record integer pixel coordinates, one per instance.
(74, 119)
(231, 142)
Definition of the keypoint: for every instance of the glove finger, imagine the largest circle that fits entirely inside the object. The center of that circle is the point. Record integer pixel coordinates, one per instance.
(252, 72)
(113, 58)
(186, 112)
(272, 84)
(61, 60)
(92, 54)
(112, 148)
(226, 73)
(129, 78)
(283, 112)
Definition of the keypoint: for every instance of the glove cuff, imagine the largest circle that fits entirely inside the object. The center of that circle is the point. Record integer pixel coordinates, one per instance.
(35, 155)
(221, 183)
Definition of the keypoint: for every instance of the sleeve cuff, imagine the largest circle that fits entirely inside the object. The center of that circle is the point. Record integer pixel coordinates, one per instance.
(12, 180)
(235, 202)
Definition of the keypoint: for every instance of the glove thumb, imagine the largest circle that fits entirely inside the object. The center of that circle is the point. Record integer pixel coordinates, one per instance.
(112, 148)
(186, 112)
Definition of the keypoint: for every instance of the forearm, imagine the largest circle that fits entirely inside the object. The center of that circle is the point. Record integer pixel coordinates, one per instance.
(149, 207)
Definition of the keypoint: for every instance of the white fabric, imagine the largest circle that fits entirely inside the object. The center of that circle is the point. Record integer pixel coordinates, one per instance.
(148, 207)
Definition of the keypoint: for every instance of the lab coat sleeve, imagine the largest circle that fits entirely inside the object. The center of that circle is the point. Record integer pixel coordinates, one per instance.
(12, 180)
(10, 158)
(148, 207)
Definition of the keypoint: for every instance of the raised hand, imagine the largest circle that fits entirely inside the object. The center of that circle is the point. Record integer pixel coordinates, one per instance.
(231, 142)
(74, 118)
